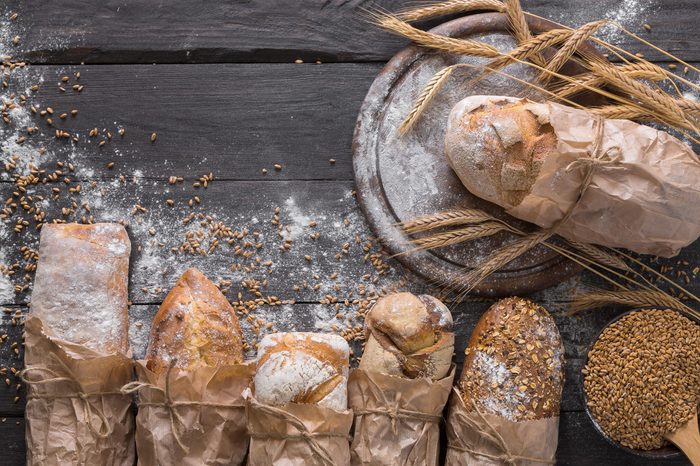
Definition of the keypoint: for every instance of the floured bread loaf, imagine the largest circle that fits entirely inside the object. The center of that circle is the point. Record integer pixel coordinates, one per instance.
(497, 146)
(81, 285)
(409, 336)
(513, 365)
(303, 367)
(195, 326)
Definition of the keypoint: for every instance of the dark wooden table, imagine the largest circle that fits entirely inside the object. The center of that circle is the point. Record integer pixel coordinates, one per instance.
(232, 88)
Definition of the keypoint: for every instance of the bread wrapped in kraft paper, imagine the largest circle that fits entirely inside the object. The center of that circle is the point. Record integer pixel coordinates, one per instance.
(613, 183)
(404, 380)
(76, 349)
(298, 414)
(505, 409)
(190, 387)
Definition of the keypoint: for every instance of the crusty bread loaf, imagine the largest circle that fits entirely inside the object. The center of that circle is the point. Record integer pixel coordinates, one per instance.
(81, 285)
(303, 367)
(408, 336)
(195, 326)
(513, 365)
(496, 145)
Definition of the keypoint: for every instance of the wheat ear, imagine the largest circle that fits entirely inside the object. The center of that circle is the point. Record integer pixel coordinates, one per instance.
(570, 47)
(445, 219)
(449, 7)
(425, 98)
(597, 299)
(460, 235)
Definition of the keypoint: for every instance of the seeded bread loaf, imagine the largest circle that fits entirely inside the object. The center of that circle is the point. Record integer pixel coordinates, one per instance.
(409, 336)
(302, 367)
(513, 365)
(496, 145)
(81, 285)
(195, 326)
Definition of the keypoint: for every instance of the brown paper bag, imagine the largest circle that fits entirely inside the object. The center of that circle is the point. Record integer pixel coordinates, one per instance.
(475, 438)
(192, 417)
(397, 420)
(76, 414)
(298, 435)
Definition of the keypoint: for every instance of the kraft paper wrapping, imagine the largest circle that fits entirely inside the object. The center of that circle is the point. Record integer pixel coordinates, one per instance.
(204, 422)
(645, 196)
(75, 412)
(397, 420)
(488, 440)
(298, 435)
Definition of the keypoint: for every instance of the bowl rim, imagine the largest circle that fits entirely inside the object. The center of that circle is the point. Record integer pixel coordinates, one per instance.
(663, 453)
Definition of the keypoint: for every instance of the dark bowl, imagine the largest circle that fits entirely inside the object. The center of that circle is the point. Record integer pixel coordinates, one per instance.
(668, 452)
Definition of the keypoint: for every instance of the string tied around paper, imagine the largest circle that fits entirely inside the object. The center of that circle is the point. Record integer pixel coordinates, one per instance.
(178, 425)
(303, 433)
(36, 375)
(487, 431)
(394, 411)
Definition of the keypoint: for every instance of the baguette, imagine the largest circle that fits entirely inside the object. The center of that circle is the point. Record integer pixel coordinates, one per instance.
(408, 336)
(195, 326)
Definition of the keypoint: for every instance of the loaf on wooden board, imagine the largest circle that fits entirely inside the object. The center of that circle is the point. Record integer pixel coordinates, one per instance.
(81, 285)
(195, 326)
(302, 367)
(513, 365)
(409, 336)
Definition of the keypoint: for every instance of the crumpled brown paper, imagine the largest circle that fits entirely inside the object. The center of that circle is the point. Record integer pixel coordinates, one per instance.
(75, 412)
(643, 195)
(298, 435)
(483, 439)
(397, 420)
(204, 421)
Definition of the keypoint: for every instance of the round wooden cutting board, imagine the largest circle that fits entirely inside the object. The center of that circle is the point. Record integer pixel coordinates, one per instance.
(401, 177)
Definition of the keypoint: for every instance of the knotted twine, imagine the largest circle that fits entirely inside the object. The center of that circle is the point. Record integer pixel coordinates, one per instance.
(303, 432)
(104, 429)
(490, 433)
(393, 410)
(178, 426)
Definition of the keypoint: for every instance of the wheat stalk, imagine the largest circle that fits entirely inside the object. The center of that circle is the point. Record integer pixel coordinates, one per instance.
(460, 235)
(601, 298)
(425, 98)
(449, 7)
(445, 219)
(570, 47)
(435, 41)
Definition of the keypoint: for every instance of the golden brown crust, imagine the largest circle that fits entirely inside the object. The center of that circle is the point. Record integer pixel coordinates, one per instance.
(196, 326)
(513, 364)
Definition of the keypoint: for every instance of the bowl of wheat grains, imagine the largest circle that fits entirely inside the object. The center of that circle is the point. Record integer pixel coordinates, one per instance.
(641, 379)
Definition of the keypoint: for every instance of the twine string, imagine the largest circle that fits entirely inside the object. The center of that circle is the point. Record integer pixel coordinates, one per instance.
(178, 425)
(310, 438)
(483, 427)
(48, 376)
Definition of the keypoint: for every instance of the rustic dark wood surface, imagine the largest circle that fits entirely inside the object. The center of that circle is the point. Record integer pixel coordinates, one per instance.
(216, 81)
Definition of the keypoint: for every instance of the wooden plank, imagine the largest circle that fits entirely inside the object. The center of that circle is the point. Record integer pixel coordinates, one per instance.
(579, 445)
(232, 120)
(129, 31)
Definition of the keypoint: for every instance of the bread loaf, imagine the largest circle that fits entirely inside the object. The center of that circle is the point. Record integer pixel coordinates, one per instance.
(513, 365)
(195, 326)
(302, 367)
(81, 285)
(409, 336)
(497, 146)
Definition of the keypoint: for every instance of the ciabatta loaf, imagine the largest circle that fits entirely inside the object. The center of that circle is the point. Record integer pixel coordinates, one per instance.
(81, 285)
(513, 365)
(195, 326)
(302, 367)
(409, 336)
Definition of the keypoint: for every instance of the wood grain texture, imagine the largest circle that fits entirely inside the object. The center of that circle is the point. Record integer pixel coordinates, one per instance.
(232, 120)
(130, 31)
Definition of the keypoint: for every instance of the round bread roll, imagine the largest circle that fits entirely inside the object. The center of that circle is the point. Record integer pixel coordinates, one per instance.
(302, 367)
(195, 326)
(409, 336)
(513, 365)
(496, 145)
